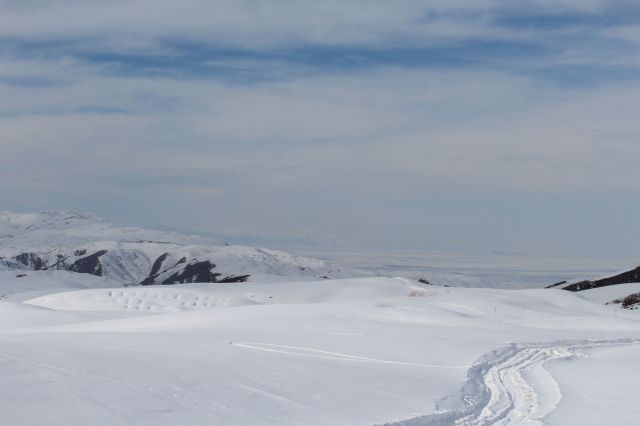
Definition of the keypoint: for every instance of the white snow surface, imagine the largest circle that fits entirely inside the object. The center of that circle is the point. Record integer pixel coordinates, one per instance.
(597, 388)
(331, 352)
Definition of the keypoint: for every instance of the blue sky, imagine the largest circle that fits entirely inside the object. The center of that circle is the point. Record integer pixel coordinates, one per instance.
(465, 126)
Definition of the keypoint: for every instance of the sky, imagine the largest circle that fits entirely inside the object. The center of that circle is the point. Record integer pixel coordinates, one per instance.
(464, 126)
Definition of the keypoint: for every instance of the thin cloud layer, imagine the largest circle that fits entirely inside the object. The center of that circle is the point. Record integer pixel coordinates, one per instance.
(374, 123)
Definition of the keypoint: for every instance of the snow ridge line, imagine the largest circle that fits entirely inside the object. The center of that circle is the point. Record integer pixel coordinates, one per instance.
(496, 393)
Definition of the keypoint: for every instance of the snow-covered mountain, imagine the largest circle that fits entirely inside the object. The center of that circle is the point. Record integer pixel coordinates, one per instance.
(85, 243)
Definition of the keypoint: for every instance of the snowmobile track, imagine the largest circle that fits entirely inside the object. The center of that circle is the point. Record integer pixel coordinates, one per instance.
(497, 393)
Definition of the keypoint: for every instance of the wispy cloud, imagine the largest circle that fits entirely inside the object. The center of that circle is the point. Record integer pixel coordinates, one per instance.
(315, 116)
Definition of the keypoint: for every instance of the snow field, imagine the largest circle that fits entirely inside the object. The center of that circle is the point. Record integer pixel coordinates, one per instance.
(331, 352)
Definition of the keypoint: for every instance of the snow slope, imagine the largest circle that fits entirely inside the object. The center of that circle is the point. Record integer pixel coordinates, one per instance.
(330, 352)
(590, 396)
(68, 228)
(23, 285)
(609, 293)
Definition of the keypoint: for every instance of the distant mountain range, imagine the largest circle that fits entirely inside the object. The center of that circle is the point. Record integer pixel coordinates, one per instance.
(85, 243)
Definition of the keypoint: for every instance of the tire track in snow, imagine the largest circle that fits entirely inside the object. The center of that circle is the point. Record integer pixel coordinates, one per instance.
(496, 393)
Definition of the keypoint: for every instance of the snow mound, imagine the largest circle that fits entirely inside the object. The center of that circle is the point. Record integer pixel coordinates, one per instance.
(204, 296)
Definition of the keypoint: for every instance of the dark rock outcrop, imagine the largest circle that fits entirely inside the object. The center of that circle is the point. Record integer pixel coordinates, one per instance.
(30, 259)
(89, 264)
(198, 272)
(235, 279)
(178, 272)
(632, 301)
(60, 262)
(155, 269)
(556, 284)
(632, 276)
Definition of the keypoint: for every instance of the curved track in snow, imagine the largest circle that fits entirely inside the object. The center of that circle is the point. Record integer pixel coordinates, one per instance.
(497, 391)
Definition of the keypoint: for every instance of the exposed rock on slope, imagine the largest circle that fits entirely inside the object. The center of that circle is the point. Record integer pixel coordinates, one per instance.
(625, 290)
(632, 276)
(632, 301)
(84, 243)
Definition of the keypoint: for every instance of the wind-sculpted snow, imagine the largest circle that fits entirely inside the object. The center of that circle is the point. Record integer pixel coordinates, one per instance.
(497, 392)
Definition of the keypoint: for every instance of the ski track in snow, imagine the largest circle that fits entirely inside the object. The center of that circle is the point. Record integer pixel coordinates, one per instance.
(317, 353)
(496, 393)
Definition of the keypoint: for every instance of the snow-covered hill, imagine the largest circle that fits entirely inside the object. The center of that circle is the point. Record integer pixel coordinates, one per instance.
(327, 352)
(85, 243)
